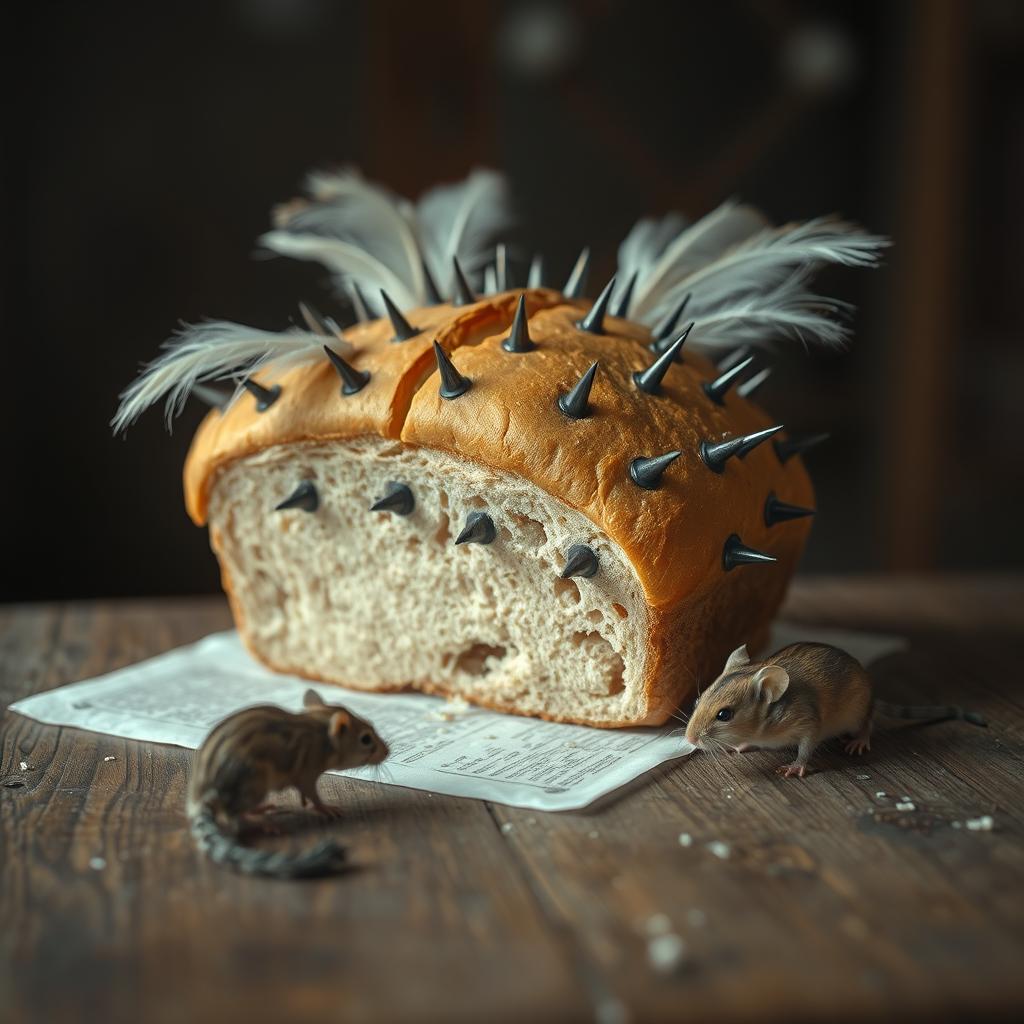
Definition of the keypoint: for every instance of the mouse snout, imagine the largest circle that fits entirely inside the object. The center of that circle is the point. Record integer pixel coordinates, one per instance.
(379, 753)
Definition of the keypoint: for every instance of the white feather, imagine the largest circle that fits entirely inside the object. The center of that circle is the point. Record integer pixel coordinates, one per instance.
(692, 248)
(789, 310)
(762, 262)
(216, 350)
(462, 221)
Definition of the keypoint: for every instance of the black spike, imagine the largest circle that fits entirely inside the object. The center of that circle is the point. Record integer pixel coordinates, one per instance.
(535, 278)
(398, 499)
(580, 561)
(576, 286)
(649, 380)
(593, 322)
(664, 331)
(501, 267)
(791, 446)
(304, 496)
(737, 355)
(402, 328)
(718, 388)
(748, 387)
(463, 293)
(359, 306)
(622, 306)
(735, 552)
(453, 383)
(479, 529)
(318, 324)
(717, 453)
(776, 511)
(265, 397)
(213, 397)
(433, 296)
(575, 403)
(647, 472)
(353, 380)
(518, 339)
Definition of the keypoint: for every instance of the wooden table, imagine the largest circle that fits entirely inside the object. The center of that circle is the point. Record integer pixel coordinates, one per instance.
(822, 899)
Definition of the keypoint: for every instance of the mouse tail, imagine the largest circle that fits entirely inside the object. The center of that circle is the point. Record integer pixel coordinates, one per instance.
(928, 713)
(325, 858)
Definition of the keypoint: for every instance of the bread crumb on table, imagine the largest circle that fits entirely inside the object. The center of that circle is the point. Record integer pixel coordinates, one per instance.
(507, 827)
(905, 805)
(685, 839)
(97, 863)
(982, 824)
(719, 849)
(666, 953)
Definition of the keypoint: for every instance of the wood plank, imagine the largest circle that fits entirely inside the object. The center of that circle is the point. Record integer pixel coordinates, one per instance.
(435, 918)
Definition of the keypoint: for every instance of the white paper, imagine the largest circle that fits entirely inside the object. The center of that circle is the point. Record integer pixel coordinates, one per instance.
(435, 745)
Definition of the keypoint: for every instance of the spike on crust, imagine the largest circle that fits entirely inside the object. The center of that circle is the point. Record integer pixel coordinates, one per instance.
(593, 322)
(776, 511)
(398, 499)
(663, 332)
(791, 446)
(265, 397)
(304, 497)
(576, 286)
(735, 552)
(716, 454)
(718, 388)
(433, 296)
(748, 387)
(479, 529)
(353, 380)
(402, 328)
(576, 403)
(580, 561)
(649, 380)
(622, 306)
(518, 339)
(647, 472)
(453, 383)
(463, 293)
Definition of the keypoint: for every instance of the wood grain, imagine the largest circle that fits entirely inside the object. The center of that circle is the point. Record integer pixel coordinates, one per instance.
(823, 899)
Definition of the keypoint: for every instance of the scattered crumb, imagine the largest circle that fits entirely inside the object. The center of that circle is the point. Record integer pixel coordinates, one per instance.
(594, 834)
(685, 839)
(863, 778)
(459, 705)
(97, 863)
(658, 924)
(881, 794)
(719, 849)
(25, 766)
(982, 824)
(666, 953)
(491, 737)
(110, 757)
(507, 827)
(905, 805)
(696, 918)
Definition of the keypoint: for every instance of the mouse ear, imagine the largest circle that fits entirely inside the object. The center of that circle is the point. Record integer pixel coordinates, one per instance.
(337, 725)
(312, 699)
(771, 682)
(737, 659)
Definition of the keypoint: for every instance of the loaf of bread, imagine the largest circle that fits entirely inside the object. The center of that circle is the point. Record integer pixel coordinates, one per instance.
(515, 498)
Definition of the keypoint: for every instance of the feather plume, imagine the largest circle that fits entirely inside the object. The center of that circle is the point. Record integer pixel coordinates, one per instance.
(748, 280)
(643, 245)
(216, 350)
(363, 233)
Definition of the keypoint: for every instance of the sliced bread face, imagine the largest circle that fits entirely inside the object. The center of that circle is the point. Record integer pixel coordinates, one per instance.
(385, 600)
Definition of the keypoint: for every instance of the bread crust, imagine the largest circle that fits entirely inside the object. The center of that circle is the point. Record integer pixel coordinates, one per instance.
(509, 420)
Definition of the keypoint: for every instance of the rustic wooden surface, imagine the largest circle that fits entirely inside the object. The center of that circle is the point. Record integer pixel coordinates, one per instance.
(831, 903)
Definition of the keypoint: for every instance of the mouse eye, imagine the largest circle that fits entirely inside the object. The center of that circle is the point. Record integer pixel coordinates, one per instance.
(366, 739)
(724, 715)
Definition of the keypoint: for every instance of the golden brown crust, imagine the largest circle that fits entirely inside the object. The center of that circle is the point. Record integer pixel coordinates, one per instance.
(509, 420)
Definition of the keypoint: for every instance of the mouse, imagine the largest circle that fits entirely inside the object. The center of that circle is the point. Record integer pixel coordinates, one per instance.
(800, 696)
(261, 749)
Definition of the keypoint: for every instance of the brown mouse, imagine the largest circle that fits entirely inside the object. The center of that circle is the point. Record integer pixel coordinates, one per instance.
(800, 696)
(266, 748)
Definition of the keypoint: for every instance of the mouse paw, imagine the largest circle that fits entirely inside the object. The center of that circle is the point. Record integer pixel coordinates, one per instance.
(789, 770)
(857, 745)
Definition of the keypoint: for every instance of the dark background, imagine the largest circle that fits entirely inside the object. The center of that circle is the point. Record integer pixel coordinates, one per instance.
(145, 144)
